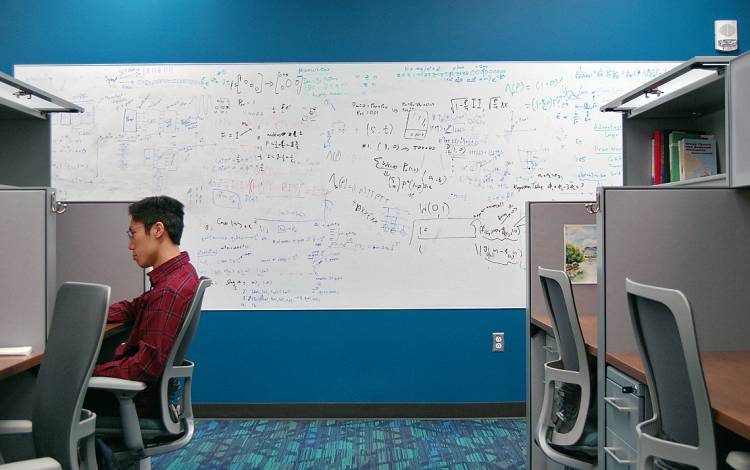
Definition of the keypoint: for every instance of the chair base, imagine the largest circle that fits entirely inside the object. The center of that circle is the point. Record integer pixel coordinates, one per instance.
(739, 460)
(125, 460)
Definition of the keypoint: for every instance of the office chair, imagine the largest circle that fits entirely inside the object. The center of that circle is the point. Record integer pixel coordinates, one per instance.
(566, 431)
(681, 432)
(58, 423)
(144, 438)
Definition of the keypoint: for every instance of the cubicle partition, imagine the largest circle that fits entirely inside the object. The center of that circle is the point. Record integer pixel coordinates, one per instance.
(41, 249)
(695, 240)
(92, 246)
(545, 246)
(27, 251)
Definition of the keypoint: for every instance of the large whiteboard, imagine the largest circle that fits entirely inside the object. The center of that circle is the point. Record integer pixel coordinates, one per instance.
(344, 185)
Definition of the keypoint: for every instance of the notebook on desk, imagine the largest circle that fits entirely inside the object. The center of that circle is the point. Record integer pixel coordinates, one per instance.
(16, 351)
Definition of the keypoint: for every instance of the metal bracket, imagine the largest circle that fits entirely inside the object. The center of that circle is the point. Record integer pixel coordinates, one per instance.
(22, 93)
(593, 207)
(653, 91)
(55, 206)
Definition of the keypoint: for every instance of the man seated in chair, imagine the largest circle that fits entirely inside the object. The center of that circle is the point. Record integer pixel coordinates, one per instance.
(155, 317)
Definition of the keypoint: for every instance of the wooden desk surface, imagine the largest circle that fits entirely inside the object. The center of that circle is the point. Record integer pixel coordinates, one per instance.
(727, 379)
(727, 375)
(112, 328)
(12, 365)
(588, 328)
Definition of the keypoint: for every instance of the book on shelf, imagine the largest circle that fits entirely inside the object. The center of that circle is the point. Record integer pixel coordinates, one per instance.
(697, 157)
(664, 155)
(674, 152)
(656, 158)
(653, 174)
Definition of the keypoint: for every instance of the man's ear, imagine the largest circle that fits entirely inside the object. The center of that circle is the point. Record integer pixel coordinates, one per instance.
(158, 230)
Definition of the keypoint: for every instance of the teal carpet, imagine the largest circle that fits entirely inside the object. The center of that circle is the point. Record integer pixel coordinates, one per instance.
(353, 444)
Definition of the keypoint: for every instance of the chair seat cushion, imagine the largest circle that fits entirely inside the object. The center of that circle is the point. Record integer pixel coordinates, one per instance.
(113, 422)
(587, 446)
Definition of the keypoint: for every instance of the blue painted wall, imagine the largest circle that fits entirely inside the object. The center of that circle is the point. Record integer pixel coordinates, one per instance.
(432, 356)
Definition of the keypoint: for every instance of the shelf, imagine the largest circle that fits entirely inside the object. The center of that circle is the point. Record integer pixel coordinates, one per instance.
(719, 180)
(21, 97)
(11, 110)
(672, 77)
(702, 97)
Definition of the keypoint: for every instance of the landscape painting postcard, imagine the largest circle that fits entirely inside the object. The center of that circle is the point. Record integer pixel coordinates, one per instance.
(580, 253)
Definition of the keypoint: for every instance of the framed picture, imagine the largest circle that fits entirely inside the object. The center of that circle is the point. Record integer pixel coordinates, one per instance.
(580, 253)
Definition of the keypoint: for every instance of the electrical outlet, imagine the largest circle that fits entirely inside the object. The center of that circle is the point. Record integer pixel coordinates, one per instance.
(498, 342)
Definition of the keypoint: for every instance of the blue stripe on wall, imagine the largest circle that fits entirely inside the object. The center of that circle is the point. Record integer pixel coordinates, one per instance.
(358, 356)
(114, 31)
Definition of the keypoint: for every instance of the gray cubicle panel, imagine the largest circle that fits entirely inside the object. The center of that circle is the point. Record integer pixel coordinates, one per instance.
(92, 246)
(739, 116)
(546, 248)
(696, 240)
(25, 153)
(27, 251)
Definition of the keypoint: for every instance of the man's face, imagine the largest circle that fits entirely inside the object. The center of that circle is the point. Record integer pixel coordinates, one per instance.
(144, 246)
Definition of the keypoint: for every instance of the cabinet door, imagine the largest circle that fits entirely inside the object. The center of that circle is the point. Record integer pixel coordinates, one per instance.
(738, 107)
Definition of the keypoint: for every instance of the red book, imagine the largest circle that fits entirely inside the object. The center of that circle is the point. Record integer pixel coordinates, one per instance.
(657, 156)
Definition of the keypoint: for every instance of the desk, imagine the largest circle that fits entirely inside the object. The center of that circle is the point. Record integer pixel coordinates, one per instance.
(727, 375)
(12, 365)
(588, 328)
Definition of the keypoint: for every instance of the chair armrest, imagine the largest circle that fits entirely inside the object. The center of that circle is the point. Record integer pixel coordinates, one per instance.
(44, 463)
(183, 371)
(562, 375)
(117, 386)
(87, 424)
(124, 390)
(10, 427)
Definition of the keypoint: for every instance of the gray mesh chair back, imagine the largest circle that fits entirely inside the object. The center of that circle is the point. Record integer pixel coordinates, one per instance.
(75, 337)
(681, 429)
(176, 420)
(571, 369)
(190, 325)
(561, 303)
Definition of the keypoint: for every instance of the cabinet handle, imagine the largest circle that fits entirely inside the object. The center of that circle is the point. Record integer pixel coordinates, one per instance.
(611, 451)
(613, 401)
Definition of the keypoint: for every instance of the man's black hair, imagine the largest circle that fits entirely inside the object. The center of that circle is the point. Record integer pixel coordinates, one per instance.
(164, 209)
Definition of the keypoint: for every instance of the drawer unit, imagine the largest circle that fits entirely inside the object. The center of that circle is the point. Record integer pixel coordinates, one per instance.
(626, 406)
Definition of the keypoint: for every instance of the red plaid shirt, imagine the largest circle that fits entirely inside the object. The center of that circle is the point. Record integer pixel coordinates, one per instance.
(156, 317)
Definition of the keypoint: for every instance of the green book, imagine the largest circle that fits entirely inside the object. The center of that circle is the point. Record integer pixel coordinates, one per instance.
(674, 151)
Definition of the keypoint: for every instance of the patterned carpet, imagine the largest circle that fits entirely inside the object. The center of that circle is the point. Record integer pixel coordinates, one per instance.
(353, 444)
